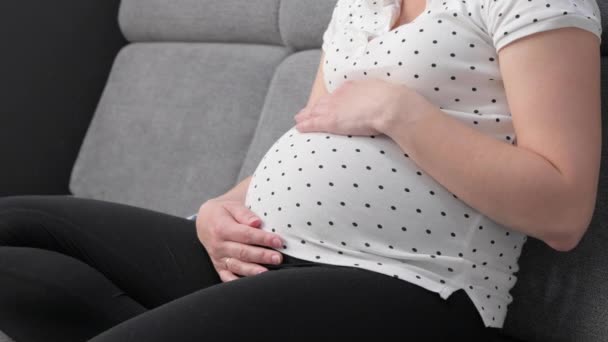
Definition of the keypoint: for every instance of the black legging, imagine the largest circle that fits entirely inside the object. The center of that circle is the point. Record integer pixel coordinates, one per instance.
(73, 269)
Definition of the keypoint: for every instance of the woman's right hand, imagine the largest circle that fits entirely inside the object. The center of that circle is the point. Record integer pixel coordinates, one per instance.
(230, 231)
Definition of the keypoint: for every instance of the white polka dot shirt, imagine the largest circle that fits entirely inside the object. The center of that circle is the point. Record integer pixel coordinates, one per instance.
(360, 200)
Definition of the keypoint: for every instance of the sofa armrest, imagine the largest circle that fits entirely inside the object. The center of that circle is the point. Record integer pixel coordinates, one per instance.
(55, 60)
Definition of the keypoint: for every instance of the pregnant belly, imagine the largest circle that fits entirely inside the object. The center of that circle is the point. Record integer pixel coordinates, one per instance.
(354, 194)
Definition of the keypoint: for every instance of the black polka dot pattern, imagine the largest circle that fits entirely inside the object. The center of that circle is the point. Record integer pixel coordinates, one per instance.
(441, 53)
(395, 209)
(360, 201)
(508, 21)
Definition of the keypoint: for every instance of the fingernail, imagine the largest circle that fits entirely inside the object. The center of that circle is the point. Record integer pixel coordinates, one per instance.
(261, 271)
(277, 243)
(253, 220)
(276, 259)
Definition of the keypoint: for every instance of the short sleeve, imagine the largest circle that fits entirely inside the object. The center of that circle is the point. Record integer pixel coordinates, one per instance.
(332, 27)
(509, 20)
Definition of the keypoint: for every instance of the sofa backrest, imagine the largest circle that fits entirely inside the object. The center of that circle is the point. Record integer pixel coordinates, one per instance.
(184, 101)
(205, 88)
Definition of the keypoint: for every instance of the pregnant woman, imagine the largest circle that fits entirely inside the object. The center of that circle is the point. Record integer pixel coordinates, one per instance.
(437, 137)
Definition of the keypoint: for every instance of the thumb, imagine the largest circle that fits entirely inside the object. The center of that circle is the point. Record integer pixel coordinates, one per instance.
(309, 124)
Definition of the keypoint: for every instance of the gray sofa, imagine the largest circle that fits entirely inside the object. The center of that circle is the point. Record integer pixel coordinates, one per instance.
(190, 94)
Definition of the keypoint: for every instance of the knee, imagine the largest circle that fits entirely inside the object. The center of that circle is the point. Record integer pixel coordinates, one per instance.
(13, 202)
(14, 218)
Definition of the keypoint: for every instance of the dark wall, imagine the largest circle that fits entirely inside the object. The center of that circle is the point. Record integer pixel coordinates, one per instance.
(55, 58)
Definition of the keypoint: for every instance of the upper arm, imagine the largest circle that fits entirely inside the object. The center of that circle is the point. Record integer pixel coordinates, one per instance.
(318, 86)
(552, 83)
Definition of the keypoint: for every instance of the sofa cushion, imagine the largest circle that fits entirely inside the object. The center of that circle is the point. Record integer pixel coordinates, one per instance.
(201, 20)
(288, 93)
(302, 23)
(174, 123)
(4, 338)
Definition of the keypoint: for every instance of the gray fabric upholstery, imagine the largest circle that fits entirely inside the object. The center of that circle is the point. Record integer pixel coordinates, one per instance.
(174, 123)
(302, 23)
(288, 94)
(188, 114)
(201, 20)
(4, 338)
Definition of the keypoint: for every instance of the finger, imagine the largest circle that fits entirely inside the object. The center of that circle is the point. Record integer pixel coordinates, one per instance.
(318, 109)
(245, 268)
(298, 118)
(233, 231)
(252, 254)
(310, 124)
(242, 214)
(302, 114)
(227, 276)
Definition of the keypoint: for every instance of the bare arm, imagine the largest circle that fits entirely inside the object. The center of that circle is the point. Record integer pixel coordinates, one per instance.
(546, 185)
(318, 90)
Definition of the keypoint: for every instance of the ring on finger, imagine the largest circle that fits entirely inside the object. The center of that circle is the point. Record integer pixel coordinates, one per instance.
(226, 262)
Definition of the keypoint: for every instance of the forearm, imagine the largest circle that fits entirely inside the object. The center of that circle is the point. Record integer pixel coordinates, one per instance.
(511, 185)
(238, 192)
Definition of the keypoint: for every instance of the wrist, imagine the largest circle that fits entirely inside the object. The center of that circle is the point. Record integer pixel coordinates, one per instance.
(404, 113)
(396, 114)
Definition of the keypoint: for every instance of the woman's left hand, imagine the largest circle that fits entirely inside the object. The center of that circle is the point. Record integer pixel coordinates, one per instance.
(360, 107)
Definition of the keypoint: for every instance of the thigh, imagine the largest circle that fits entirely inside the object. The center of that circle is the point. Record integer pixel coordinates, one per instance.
(154, 257)
(48, 296)
(304, 303)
